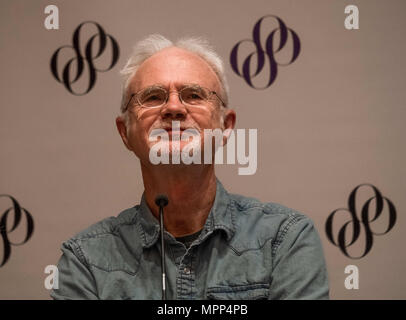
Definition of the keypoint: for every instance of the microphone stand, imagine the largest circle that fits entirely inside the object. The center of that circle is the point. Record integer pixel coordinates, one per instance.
(162, 201)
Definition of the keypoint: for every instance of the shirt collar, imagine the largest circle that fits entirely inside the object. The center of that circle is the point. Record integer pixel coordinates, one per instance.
(221, 217)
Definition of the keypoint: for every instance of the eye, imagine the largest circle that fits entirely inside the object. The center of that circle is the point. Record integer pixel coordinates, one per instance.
(152, 98)
(193, 95)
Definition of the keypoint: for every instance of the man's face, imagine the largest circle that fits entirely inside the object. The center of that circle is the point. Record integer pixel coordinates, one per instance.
(171, 68)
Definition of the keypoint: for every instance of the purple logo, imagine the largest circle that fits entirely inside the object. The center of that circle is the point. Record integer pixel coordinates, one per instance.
(255, 62)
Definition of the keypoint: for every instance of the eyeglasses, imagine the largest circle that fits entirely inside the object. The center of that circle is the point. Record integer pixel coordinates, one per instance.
(156, 96)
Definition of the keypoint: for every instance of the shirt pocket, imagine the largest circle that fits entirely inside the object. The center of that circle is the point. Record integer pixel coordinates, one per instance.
(255, 291)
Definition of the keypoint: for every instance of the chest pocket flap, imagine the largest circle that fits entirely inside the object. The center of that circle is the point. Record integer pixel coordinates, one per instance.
(239, 292)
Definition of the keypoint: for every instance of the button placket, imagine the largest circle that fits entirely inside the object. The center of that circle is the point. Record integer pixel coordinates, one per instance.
(186, 277)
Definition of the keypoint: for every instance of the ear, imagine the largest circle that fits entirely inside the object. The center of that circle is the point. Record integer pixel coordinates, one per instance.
(122, 130)
(229, 118)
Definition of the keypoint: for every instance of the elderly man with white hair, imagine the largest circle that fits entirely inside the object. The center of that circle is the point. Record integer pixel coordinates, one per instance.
(215, 245)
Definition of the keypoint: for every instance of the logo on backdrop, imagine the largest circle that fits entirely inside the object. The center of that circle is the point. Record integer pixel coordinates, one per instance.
(360, 220)
(265, 55)
(84, 60)
(4, 231)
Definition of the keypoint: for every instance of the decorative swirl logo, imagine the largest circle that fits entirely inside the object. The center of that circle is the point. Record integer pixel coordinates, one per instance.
(80, 60)
(260, 53)
(17, 209)
(365, 221)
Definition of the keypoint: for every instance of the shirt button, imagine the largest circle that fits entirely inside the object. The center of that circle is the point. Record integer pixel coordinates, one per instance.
(186, 270)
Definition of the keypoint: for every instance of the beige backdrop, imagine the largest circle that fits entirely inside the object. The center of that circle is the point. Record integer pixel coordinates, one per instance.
(332, 120)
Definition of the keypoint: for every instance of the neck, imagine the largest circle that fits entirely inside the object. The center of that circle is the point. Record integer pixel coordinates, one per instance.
(191, 190)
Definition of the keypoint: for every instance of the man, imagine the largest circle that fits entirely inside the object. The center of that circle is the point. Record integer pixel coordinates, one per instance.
(218, 245)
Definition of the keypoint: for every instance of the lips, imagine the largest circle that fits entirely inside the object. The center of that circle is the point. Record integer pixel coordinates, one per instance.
(174, 132)
(170, 129)
(178, 130)
(177, 133)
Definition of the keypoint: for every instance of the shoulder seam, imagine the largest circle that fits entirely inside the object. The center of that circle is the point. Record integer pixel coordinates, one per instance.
(103, 231)
(78, 251)
(282, 233)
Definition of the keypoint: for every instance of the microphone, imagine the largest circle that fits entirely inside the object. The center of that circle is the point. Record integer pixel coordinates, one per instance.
(162, 201)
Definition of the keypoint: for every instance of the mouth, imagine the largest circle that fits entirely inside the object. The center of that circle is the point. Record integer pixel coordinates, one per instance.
(174, 132)
(177, 133)
(175, 129)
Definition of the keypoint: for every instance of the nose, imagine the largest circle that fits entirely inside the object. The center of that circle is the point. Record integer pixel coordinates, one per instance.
(174, 108)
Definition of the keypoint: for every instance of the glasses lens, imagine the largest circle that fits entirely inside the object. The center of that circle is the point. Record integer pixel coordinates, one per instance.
(194, 95)
(152, 97)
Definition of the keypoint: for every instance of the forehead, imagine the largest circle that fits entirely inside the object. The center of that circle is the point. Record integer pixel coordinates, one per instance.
(174, 67)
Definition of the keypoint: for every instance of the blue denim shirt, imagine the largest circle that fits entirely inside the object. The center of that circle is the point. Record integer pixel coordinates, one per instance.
(246, 250)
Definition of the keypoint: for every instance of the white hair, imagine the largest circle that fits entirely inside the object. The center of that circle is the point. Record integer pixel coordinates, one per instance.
(155, 43)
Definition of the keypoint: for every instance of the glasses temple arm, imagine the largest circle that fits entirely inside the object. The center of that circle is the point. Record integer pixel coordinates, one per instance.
(126, 107)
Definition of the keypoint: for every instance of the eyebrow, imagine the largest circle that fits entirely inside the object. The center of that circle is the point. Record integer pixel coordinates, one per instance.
(178, 87)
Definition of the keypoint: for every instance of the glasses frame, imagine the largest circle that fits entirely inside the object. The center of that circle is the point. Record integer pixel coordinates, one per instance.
(136, 94)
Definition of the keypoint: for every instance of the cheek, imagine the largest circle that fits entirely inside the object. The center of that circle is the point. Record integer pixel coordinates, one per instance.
(138, 134)
(208, 120)
(134, 138)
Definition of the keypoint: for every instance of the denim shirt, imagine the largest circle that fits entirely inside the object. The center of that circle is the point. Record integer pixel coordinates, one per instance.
(246, 250)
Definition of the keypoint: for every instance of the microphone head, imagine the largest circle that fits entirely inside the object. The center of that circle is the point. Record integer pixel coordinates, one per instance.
(161, 200)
